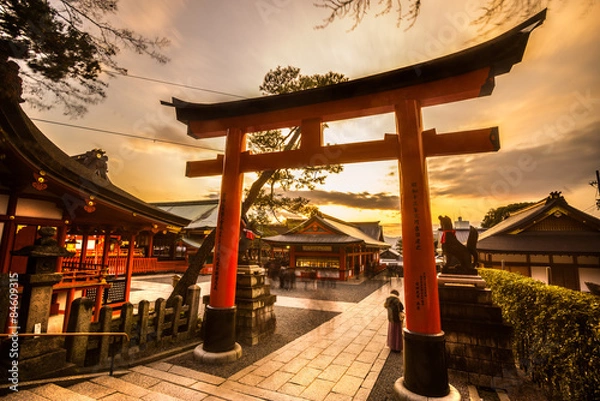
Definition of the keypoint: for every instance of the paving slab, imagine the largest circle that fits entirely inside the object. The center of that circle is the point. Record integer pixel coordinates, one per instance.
(56, 393)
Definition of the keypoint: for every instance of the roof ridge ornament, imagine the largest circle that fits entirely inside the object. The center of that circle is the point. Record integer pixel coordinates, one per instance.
(555, 195)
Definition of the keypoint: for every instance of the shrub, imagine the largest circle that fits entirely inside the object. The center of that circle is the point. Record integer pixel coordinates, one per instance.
(556, 333)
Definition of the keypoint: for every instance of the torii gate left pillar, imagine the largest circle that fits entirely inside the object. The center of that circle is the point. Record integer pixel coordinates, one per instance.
(219, 325)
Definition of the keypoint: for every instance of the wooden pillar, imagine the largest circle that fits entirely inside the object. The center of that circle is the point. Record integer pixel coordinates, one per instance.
(70, 297)
(84, 244)
(105, 249)
(425, 371)
(8, 234)
(420, 276)
(292, 255)
(150, 244)
(129, 268)
(98, 301)
(61, 237)
(220, 313)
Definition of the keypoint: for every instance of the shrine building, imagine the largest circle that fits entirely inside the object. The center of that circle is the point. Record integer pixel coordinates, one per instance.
(109, 232)
(550, 241)
(334, 249)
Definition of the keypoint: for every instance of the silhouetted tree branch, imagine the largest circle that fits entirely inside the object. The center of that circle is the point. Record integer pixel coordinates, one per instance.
(63, 46)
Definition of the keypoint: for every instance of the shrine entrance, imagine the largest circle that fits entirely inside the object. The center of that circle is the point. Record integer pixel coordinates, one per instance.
(404, 92)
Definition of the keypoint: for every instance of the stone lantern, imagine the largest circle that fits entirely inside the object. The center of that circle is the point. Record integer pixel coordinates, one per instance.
(38, 280)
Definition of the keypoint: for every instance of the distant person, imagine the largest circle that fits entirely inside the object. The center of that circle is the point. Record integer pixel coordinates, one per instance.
(395, 310)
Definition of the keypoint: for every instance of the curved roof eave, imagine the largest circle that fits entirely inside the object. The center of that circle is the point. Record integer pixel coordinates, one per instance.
(498, 54)
(35, 149)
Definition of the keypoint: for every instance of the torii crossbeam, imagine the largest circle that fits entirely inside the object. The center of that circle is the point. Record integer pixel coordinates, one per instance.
(460, 76)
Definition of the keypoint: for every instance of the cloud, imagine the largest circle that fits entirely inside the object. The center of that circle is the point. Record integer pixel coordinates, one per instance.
(561, 163)
(363, 200)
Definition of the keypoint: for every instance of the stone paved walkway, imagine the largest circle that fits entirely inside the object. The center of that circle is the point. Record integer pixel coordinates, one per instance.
(339, 360)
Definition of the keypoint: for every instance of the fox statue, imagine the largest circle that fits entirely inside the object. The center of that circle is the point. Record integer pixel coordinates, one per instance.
(459, 259)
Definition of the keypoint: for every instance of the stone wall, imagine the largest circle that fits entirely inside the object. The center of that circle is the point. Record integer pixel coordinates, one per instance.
(478, 342)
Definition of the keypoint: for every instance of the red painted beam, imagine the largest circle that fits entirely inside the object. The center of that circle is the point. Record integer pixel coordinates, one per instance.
(454, 143)
(459, 143)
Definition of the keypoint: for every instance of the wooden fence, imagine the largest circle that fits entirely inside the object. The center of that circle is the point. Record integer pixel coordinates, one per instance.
(150, 329)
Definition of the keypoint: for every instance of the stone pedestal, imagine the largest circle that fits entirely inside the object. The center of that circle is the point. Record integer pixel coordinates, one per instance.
(478, 342)
(255, 305)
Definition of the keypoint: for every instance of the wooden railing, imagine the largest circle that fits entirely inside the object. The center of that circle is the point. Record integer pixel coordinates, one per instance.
(117, 266)
(77, 274)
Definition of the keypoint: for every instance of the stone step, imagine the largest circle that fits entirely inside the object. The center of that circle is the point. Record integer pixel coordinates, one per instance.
(157, 381)
(141, 383)
(123, 386)
(47, 392)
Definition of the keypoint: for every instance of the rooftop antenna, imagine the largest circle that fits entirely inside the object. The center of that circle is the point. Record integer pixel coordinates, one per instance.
(597, 185)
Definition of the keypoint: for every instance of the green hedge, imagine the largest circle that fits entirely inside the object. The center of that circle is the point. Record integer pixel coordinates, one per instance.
(556, 333)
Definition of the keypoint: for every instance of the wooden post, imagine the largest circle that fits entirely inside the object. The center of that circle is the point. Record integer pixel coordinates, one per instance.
(129, 269)
(98, 301)
(70, 297)
(8, 236)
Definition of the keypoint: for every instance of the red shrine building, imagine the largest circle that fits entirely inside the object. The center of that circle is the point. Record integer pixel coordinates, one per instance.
(550, 241)
(111, 233)
(334, 249)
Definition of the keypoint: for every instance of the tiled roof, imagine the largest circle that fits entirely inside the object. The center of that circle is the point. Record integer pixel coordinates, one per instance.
(202, 213)
(549, 226)
(26, 149)
(344, 233)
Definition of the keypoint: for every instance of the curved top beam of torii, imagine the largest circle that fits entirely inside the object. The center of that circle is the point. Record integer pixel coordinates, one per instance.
(459, 76)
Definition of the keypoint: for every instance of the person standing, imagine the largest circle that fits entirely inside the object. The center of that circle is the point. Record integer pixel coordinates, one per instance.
(395, 312)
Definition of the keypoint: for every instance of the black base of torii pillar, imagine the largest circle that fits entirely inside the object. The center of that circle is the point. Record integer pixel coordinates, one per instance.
(425, 371)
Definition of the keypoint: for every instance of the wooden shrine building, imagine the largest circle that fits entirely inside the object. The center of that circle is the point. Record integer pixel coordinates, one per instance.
(332, 248)
(109, 231)
(550, 241)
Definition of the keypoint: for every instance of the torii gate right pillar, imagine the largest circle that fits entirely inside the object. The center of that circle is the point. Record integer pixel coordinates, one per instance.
(425, 371)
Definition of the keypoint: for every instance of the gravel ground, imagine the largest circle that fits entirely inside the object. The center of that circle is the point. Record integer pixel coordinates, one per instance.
(294, 322)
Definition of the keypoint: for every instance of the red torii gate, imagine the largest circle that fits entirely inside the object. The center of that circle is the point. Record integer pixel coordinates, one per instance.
(460, 76)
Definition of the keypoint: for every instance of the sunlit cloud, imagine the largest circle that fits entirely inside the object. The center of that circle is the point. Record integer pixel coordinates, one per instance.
(551, 165)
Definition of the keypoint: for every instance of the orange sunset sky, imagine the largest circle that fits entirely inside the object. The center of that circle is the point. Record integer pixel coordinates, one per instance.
(547, 107)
